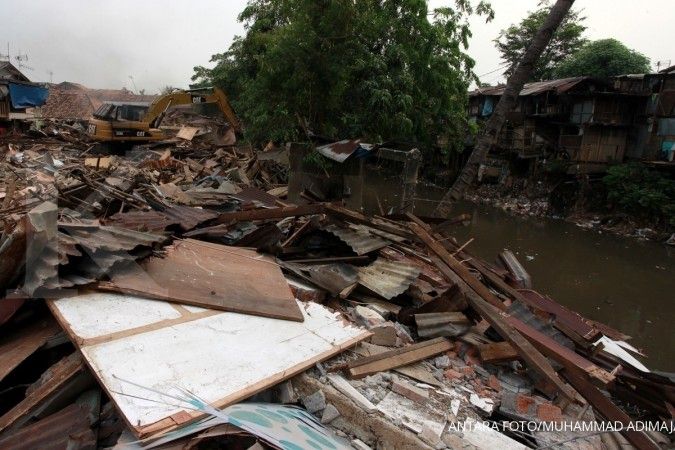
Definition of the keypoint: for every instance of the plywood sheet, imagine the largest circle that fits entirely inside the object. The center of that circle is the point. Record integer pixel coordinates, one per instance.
(221, 357)
(213, 276)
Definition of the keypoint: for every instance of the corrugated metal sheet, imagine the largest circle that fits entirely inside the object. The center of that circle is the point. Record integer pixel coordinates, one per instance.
(388, 278)
(538, 87)
(108, 238)
(360, 240)
(188, 217)
(141, 220)
(255, 195)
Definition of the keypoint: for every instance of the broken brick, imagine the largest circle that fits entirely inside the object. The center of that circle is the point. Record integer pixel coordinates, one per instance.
(524, 403)
(452, 374)
(548, 412)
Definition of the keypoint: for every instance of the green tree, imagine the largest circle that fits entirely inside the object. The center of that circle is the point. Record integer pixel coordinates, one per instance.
(601, 59)
(513, 41)
(378, 69)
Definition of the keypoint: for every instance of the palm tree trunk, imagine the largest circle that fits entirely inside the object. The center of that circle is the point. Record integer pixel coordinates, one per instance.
(514, 85)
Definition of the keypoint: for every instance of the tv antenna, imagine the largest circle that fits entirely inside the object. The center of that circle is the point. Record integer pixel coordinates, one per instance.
(5, 56)
(664, 63)
(133, 82)
(20, 59)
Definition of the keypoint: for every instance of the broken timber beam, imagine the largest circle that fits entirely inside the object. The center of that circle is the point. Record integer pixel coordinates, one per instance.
(610, 411)
(270, 213)
(396, 358)
(497, 352)
(527, 352)
(570, 359)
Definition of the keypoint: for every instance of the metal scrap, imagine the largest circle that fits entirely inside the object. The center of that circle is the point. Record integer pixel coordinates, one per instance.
(387, 278)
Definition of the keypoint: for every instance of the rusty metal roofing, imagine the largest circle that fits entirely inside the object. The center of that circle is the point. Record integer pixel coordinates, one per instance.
(188, 217)
(341, 150)
(559, 86)
(360, 240)
(108, 238)
(388, 278)
(255, 195)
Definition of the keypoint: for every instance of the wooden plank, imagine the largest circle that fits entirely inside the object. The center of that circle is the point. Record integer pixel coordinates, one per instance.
(497, 352)
(16, 347)
(527, 352)
(604, 406)
(63, 372)
(518, 272)
(397, 358)
(568, 358)
(270, 213)
(213, 276)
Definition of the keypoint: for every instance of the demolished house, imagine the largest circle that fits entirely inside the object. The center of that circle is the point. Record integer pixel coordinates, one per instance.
(587, 123)
(75, 102)
(18, 95)
(174, 297)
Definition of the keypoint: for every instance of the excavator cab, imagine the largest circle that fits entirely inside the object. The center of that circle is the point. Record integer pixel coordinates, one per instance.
(129, 122)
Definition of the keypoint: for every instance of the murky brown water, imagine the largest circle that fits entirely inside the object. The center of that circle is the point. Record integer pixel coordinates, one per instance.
(625, 283)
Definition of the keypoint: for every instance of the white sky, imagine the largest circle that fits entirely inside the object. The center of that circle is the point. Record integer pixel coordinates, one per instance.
(101, 43)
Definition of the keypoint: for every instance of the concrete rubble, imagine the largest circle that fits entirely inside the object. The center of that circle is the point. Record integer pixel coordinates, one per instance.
(466, 356)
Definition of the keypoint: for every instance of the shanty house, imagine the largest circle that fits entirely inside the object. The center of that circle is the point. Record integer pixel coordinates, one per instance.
(582, 120)
(17, 94)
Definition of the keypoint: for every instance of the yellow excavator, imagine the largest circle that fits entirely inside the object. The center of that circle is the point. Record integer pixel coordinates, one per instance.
(135, 122)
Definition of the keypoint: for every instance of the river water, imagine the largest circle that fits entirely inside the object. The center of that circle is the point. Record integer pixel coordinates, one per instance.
(625, 283)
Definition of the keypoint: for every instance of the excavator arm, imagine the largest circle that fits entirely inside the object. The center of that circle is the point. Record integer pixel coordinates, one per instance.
(158, 108)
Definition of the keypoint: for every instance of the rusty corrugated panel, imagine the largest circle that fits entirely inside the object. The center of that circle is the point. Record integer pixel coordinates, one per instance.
(538, 87)
(255, 195)
(388, 278)
(360, 240)
(141, 220)
(108, 238)
(188, 217)
(564, 317)
(68, 428)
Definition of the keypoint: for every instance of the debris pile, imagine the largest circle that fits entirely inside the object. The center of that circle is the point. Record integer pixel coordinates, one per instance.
(172, 297)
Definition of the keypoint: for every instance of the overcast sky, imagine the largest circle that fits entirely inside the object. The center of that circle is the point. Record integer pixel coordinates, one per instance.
(101, 44)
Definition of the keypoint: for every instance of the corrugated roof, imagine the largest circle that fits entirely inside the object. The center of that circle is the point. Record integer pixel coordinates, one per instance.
(361, 241)
(559, 86)
(388, 278)
(185, 216)
(255, 195)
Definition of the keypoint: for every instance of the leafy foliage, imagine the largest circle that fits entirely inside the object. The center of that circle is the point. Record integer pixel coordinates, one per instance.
(642, 192)
(377, 69)
(513, 41)
(603, 58)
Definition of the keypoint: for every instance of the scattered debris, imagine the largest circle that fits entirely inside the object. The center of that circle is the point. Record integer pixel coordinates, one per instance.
(188, 301)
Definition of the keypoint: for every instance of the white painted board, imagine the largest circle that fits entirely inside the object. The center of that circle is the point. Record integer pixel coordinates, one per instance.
(221, 357)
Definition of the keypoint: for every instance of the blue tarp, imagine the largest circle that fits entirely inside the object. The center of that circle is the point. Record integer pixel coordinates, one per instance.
(27, 96)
